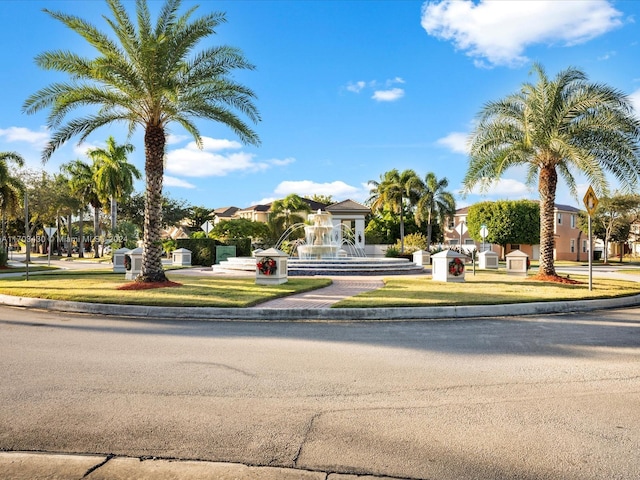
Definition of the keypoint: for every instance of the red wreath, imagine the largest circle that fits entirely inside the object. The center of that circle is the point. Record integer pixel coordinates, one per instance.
(456, 267)
(267, 266)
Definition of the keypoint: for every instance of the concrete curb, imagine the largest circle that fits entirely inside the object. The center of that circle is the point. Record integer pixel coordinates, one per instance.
(42, 465)
(352, 314)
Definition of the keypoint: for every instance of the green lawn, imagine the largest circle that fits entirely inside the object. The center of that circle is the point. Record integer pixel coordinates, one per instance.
(484, 288)
(194, 291)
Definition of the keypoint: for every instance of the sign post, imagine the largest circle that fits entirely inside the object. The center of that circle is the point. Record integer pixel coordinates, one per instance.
(207, 227)
(461, 228)
(591, 203)
(484, 231)
(51, 231)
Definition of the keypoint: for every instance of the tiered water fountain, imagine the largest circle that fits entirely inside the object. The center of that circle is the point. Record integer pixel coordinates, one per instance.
(319, 238)
(327, 250)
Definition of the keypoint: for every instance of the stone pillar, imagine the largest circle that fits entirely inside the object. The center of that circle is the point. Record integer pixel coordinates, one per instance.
(118, 260)
(448, 266)
(133, 260)
(271, 267)
(517, 263)
(422, 258)
(488, 260)
(181, 257)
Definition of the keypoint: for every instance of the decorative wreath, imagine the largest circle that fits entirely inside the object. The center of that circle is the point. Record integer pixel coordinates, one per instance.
(127, 262)
(267, 266)
(456, 267)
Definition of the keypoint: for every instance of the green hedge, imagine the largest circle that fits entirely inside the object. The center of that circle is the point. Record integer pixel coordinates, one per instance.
(203, 250)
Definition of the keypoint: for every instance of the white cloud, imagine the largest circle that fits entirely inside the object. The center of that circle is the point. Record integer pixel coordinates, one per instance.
(217, 144)
(201, 163)
(504, 188)
(339, 190)
(356, 87)
(213, 161)
(176, 182)
(380, 95)
(456, 142)
(21, 134)
(173, 139)
(281, 162)
(388, 95)
(501, 31)
(394, 81)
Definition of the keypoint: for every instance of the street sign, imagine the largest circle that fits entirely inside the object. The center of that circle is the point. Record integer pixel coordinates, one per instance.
(590, 201)
(461, 228)
(484, 231)
(50, 232)
(207, 227)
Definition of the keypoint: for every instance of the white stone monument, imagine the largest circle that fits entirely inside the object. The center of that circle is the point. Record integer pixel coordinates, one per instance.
(118, 260)
(422, 258)
(271, 267)
(517, 263)
(181, 257)
(448, 266)
(488, 260)
(133, 260)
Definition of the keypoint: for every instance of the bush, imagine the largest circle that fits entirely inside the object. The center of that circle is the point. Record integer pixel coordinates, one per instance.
(412, 243)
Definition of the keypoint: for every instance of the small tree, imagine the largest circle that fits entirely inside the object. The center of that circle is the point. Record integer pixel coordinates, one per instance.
(507, 222)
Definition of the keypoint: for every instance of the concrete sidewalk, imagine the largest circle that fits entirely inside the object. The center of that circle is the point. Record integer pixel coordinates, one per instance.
(41, 466)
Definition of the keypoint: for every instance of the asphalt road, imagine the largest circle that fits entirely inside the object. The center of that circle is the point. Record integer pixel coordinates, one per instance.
(528, 398)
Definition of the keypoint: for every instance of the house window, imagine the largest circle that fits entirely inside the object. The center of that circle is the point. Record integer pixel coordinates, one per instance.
(515, 246)
(584, 246)
(559, 219)
(573, 221)
(573, 244)
(453, 241)
(469, 241)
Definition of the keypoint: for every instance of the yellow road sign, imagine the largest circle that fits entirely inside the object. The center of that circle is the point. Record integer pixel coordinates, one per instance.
(590, 201)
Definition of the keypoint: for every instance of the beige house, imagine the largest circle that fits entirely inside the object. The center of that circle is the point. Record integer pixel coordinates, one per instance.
(570, 242)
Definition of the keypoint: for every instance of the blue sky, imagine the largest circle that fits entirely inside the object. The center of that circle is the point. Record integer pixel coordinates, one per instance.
(347, 89)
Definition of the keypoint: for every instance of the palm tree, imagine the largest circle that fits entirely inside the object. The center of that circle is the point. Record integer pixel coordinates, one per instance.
(434, 202)
(394, 191)
(11, 189)
(82, 183)
(287, 211)
(114, 175)
(564, 126)
(149, 78)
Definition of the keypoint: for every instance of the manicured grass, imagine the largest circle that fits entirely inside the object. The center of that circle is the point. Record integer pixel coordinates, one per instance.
(194, 291)
(485, 288)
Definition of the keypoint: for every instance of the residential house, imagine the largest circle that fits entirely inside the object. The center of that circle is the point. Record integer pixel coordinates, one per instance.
(570, 242)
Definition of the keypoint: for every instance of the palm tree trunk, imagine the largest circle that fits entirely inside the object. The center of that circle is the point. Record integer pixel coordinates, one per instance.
(96, 231)
(81, 236)
(401, 230)
(154, 145)
(114, 213)
(69, 235)
(429, 230)
(547, 183)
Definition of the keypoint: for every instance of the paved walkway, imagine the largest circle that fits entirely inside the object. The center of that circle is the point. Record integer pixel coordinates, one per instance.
(341, 288)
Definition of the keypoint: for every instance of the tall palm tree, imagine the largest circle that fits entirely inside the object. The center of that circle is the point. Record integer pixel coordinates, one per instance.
(114, 175)
(567, 126)
(83, 185)
(149, 78)
(11, 189)
(435, 202)
(394, 191)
